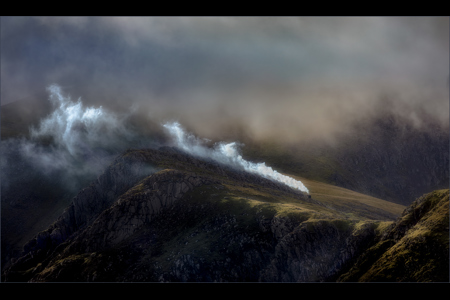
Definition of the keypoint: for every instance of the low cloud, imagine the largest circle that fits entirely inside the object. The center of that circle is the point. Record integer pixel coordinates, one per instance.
(73, 144)
(288, 78)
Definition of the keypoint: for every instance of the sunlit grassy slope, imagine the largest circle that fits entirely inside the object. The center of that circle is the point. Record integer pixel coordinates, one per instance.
(350, 203)
(337, 201)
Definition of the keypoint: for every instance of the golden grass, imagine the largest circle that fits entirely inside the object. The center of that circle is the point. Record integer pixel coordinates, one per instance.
(330, 194)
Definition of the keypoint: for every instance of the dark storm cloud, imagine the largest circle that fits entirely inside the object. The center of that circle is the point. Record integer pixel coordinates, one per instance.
(301, 76)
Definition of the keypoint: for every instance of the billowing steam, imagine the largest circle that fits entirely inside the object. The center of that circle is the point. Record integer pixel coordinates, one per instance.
(227, 153)
(78, 129)
(75, 143)
(70, 146)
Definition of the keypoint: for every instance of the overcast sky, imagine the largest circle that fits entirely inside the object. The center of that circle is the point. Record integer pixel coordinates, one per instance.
(306, 74)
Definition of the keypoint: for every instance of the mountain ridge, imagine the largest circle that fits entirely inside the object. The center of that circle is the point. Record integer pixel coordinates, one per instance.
(248, 228)
(228, 226)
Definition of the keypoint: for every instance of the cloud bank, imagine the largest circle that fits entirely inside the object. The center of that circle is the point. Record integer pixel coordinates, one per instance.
(304, 77)
(75, 141)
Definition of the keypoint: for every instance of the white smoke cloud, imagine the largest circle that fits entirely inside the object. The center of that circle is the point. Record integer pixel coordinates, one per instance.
(73, 143)
(83, 140)
(78, 129)
(227, 153)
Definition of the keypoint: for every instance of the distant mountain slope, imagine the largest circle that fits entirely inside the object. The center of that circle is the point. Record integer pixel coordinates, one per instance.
(385, 156)
(162, 215)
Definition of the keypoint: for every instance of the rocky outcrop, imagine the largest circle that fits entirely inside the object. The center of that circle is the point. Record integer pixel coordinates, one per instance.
(121, 175)
(316, 250)
(415, 248)
(126, 204)
(209, 241)
(135, 208)
(280, 250)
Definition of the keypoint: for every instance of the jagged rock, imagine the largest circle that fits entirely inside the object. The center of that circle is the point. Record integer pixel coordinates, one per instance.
(131, 211)
(152, 223)
(413, 249)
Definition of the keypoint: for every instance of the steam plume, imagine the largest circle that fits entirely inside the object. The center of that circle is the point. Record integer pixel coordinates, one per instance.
(71, 145)
(227, 153)
(78, 129)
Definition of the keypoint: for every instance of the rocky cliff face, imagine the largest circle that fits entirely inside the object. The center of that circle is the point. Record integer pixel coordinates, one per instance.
(91, 201)
(163, 216)
(415, 248)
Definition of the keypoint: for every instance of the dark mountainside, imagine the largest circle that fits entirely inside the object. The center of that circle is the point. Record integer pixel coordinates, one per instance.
(164, 216)
(32, 196)
(385, 156)
(404, 162)
(161, 215)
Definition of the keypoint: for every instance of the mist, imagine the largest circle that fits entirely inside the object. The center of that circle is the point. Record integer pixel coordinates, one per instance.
(70, 146)
(78, 129)
(75, 141)
(284, 78)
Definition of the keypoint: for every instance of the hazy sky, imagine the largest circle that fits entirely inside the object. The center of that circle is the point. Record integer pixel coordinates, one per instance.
(295, 76)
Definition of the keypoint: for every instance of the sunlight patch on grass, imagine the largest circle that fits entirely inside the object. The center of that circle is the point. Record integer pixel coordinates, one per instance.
(330, 194)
